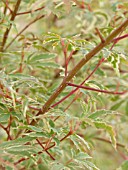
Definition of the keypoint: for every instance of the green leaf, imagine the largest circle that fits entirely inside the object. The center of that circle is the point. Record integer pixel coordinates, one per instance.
(57, 166)
(109, 129)
(57, 141)
(117, 105)
(2, 106)
(25, 107)
(30, 127)
(82, 156)
(19, 141)
(124, 166)
(37, 134)
(114, 59)
(4, 117)
(51, 123)
(22, 77)
(48, 64)
(22, 150)
(100, 72)
(82, 141)
(42, 57)
(79, 142)
(90, 165)
(99, 113)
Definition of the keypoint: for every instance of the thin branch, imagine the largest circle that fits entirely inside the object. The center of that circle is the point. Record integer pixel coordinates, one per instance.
(97, 90)
(7, 6)
(120, 38)
(8, 29)
(100, 35)
(45, 150)
(108, 141)
(7, 132)
(31, 11)
(28, 25)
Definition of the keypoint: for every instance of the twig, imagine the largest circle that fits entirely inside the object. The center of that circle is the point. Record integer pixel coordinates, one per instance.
(100, 35)
(108, 141)
(45, 150)
(31, 11)
(7, 132)
(98, 90)
(120, 38)
(6, 5)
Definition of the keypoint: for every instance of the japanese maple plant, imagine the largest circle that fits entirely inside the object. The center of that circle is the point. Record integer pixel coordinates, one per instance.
(63, 84)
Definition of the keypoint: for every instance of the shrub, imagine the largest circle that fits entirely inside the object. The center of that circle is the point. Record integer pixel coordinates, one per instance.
(63, 84)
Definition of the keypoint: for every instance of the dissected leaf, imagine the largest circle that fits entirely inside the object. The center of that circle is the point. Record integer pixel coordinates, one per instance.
(100, 113)
(109, 129)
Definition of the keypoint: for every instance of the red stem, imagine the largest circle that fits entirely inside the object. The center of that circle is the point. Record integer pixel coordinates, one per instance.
(31, 11)
(98, 90)
(45, 150)
(120, 38)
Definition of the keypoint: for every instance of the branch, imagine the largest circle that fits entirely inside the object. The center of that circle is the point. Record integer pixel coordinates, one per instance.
(98, 90)
(6, 5)
(45, 150)
(120, 38)
(8, 29)
(100, 35)
(28, 25)
(108, 141)
(7, 132)
(31, 11)
(82, 62)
